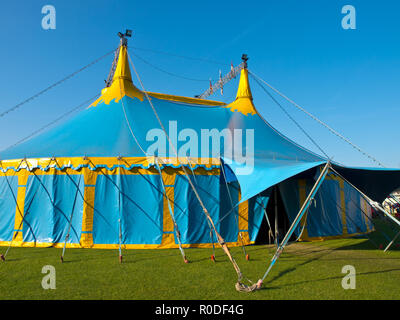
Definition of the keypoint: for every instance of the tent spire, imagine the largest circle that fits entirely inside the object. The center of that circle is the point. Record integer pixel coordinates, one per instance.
(119, 82)
(244, 99)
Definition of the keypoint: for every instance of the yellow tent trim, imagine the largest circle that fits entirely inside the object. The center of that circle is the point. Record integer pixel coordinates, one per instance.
(186, 99)
(244, 99)
(121, 85)
(114, 246)
(91, 162)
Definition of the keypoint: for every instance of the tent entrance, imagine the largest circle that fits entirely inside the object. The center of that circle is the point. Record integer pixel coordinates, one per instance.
(275, 208)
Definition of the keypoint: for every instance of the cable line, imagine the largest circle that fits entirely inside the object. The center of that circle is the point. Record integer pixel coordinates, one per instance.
(54, 84)
(290, 117)
(180, 56)
(168, 72)
(319, 121)
(54, 121)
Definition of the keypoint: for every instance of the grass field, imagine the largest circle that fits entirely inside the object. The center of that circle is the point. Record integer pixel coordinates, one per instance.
(304, 271)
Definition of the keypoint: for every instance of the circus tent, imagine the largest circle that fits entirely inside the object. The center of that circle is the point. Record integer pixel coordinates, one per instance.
(129, 171)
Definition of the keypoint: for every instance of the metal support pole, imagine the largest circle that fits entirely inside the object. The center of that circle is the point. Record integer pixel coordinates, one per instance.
(297, 220)
(276, 217)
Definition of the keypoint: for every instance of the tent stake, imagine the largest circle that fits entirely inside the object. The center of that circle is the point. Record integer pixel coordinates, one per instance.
(296, 221)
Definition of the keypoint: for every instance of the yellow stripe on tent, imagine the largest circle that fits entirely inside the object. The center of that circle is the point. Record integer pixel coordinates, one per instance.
(90, 178)
(302, 199)
(168, 238)
(19, 211)
(243, 221)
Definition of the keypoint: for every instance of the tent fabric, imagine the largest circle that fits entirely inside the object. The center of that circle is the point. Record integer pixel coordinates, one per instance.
(338, 210)
(8, 192)
(135, 200)
(267, 173)
(257, 210)
(50, 202)
(188, 212)
(376, 183)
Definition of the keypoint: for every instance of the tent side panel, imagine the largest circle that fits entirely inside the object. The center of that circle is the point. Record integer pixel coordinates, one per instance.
(130, 204)
(324, 216)
(334, 213)
(8, 208)
(189, 214)
(256, 211)
(229, 196)
(358, 212)
(51, 200)
(291, 191)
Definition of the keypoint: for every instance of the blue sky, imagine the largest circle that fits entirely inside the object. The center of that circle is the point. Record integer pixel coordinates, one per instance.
(348, 78)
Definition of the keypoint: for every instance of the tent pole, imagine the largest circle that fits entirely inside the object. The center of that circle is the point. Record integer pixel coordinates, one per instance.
(296, 221)
(373, 203)
(3, 256)
(70, 220)
(236, 217)
(391, 242)
(269, 226)
(379, 206)
(119, 211)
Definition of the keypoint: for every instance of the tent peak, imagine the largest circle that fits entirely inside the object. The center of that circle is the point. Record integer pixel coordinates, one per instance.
(244, 99)
(121, 84)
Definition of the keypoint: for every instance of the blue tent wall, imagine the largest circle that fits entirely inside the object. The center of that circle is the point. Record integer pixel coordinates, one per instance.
(98, 198)
(189, 214)
(338, 210)
(136, 200)
(49, 205)
(8, 194)
(229, 211)
(257, 207)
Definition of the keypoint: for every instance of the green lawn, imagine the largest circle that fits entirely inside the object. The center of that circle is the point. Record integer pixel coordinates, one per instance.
(304, 271)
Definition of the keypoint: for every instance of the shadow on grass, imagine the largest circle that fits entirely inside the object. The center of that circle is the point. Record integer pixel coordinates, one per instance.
(324, 279)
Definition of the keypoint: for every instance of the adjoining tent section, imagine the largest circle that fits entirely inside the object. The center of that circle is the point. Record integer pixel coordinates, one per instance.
(139, 170)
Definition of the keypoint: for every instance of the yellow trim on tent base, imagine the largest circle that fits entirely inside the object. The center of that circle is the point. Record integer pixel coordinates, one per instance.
(114, 246)
(93, 162)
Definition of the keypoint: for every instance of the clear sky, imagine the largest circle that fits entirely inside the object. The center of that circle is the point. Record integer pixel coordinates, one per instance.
(348, 78)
